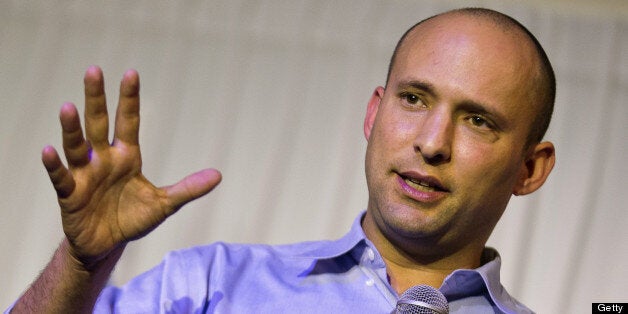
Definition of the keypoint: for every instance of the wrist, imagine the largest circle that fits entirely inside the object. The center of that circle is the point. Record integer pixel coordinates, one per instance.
(68, 285)
(97, 269)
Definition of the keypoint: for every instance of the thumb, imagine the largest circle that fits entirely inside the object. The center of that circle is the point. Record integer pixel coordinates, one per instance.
(191, 187)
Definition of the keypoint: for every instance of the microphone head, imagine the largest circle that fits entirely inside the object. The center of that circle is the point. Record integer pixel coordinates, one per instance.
(422, 299)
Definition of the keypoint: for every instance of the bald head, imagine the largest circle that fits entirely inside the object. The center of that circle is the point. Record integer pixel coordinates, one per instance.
(543, 88)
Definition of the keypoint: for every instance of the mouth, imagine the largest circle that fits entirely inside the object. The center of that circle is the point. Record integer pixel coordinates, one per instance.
(422, 183)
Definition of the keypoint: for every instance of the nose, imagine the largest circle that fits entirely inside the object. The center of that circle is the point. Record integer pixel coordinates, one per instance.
(434, 137)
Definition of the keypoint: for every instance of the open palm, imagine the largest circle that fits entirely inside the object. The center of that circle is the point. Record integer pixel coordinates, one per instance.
(104, 198)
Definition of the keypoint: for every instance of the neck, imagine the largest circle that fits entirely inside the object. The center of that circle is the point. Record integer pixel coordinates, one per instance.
(419, 264)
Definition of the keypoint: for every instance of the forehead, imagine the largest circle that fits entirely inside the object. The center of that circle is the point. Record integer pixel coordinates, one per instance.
(470, 57)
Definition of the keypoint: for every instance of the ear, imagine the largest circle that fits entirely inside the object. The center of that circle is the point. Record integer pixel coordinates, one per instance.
(535, 169)
(371, 110)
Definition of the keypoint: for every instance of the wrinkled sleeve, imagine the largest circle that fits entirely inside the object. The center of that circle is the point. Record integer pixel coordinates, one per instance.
(178, 284)
(141, 295)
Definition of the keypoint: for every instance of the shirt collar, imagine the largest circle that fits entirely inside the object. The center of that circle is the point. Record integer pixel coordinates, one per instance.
(332, 249)
(468, 282)
(459, 284)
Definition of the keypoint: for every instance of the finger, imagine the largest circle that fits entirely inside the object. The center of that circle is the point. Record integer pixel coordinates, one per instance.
(128, 113)
(191, 188)
(96, 118)
(60, 177)
(74, 145)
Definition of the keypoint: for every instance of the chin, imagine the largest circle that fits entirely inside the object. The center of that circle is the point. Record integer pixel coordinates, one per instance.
(413, 223)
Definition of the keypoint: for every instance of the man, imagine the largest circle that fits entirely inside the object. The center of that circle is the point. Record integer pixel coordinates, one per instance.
(456, 131)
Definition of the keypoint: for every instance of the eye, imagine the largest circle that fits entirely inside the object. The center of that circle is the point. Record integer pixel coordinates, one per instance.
(411, 98)
(480, 122)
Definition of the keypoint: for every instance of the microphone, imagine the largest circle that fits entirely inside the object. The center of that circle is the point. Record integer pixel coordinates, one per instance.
(422, 299)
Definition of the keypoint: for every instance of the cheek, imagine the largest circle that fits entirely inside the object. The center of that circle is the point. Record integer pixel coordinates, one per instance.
(397, 131)
(485, 162)
(389, 141)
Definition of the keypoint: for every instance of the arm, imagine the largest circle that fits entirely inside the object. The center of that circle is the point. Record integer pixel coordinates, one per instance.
(105, 200)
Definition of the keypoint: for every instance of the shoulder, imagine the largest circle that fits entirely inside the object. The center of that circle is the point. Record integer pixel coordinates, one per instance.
(241, 252)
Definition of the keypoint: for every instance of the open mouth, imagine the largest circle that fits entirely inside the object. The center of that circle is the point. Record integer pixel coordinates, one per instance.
(426, 184)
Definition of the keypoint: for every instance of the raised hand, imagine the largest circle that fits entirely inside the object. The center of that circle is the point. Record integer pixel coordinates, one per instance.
(104, 198)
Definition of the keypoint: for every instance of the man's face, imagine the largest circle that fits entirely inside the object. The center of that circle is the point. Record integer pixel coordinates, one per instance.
(446, 139)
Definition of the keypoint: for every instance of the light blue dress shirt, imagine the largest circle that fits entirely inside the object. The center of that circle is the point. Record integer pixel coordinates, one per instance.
(343, 276)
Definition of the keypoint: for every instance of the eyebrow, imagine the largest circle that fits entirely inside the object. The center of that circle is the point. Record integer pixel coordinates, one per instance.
(479, 108)
(472, 106)
(425, 86)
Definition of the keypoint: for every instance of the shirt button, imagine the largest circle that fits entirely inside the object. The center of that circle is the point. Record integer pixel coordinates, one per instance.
(370, 254)
(370, 282)
(167, 305)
